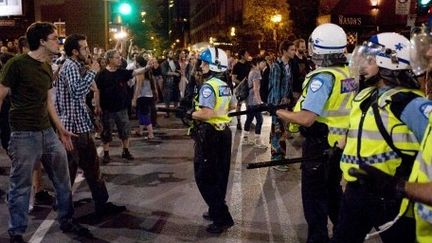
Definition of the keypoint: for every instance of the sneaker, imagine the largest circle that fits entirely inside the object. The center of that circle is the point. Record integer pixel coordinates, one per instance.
(260, 145)
(71, 226)
(127, 155)
(109, 209)
(106, 159)
(16, 239)
(218, 229)
(43, 198)
(282, 168)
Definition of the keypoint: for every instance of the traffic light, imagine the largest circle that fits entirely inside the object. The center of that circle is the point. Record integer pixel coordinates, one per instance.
(423, 6)
(125, 9)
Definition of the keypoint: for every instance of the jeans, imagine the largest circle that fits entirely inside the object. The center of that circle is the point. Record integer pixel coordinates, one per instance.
(278, 143)
(259, 121)
(85, 156)
(25, 149)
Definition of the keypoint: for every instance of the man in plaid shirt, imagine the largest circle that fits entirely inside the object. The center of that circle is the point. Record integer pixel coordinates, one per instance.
(76, 76)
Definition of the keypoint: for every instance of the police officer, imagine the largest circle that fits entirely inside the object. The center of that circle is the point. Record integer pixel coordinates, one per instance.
(419, 186)
(213, 139)
(386, 123)
(322, 111)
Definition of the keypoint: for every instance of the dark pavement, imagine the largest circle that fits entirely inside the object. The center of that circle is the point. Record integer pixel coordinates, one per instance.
(163, 202)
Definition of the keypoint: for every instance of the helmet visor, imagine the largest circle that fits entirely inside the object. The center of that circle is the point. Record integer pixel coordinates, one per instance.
(421, 53)
(310, 46)
(362, 57)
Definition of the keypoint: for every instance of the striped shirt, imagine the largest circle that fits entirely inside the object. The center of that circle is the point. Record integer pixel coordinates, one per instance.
(72, 87)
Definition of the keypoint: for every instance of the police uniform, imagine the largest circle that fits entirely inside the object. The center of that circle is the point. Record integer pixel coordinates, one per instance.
(401, 112)
(327, 92)
(213, 149)
(422, 173)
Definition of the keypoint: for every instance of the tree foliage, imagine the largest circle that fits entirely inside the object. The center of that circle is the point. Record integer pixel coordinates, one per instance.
(150, 30)
(257, 16)
(304, 15)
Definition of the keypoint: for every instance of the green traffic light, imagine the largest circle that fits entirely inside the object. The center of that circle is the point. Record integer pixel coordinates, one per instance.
(125, 8)
(425, 2)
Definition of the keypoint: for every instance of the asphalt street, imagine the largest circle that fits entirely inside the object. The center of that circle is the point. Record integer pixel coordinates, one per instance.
(163, 202)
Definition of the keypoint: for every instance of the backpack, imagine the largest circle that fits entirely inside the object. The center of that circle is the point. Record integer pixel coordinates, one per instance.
(242, 90)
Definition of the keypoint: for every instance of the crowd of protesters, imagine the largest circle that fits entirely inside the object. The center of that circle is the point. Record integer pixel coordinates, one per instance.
(91, 91)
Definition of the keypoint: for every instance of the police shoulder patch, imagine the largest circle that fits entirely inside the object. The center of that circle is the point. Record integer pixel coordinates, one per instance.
(315, 85)
(426, 109)
(206, 92)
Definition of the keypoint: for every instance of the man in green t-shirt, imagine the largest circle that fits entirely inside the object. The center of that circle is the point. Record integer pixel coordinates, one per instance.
(28, 79)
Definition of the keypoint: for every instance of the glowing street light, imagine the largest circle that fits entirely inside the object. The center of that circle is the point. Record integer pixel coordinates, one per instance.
(277, 18)
(233, 31)
(120, 35)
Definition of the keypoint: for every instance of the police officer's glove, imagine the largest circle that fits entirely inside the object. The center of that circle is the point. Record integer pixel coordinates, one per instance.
(188, 114)
(272, 109)
(180, 112)
(334, 154)
(378, 182)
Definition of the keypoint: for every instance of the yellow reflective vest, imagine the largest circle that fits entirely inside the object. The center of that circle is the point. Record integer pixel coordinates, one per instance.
(337, 107)
(365, 144)
(223, 98)
(422, 173)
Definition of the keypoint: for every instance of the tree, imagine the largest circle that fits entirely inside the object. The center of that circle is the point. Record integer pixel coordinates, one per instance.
(257, 20)
(304, 15)
(148, 28)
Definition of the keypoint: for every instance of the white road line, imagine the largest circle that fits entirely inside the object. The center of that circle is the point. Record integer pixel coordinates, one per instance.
(44, 227)
(236, 200)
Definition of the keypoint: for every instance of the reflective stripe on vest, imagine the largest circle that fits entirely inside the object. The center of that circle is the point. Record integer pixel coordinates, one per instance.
(376, 135)
(374, 149)
(337, 107)
(374, 159)
(220, 121)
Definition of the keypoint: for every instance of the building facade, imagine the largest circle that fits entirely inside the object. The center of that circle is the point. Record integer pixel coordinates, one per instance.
(214, 20)
(361, 19)
(11, 27)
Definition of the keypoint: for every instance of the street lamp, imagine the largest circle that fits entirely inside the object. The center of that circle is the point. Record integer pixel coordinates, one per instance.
(233, 31)
(374, 12)
(276, 19)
